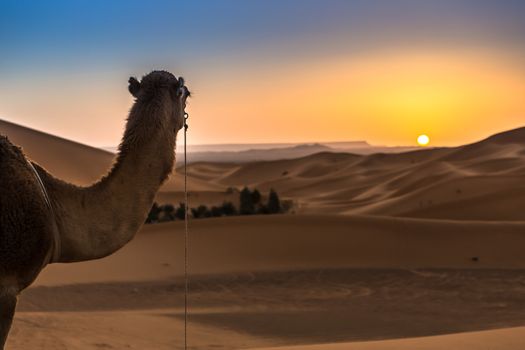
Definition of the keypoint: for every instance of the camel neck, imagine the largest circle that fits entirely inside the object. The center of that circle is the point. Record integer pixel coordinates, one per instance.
(96, 221)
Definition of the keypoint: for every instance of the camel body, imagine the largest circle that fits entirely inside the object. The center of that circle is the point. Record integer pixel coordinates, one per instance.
(26, 230)
(93, 221)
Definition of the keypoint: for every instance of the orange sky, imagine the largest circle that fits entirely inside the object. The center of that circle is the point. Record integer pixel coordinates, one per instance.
(454, 97)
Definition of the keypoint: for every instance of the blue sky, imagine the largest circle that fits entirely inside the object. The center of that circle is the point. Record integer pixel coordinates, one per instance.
(56, 33)
(72, 53)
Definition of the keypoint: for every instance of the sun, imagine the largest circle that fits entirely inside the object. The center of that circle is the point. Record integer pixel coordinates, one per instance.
(423, 140)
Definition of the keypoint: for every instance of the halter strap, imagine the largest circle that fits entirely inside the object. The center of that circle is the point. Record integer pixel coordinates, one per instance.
(56, 237)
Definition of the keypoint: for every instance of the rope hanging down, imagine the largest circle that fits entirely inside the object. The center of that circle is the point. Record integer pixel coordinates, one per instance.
(186, 237)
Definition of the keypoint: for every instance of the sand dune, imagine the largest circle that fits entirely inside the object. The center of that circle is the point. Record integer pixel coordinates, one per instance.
(429, 243)
(501, 339)
(66, 159)
(485, 179)
(75, 162)
(274, 309)
(283, 280)
(284, 242)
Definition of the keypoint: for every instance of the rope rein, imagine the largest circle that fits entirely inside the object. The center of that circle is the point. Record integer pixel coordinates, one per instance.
(186, 237)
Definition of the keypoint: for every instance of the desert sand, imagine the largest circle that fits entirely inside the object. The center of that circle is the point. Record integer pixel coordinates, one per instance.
(417, 250)
(500, 339)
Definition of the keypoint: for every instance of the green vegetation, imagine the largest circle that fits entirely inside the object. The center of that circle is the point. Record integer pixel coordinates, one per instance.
(246, 202)
(250, 203)
(274, 204)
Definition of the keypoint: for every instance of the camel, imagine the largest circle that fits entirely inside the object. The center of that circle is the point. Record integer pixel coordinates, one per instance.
(45, 220)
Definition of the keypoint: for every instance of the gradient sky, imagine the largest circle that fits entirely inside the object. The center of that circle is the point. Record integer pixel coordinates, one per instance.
(270, 70)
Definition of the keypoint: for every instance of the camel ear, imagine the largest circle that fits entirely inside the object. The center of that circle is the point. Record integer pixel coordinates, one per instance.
(134, 86)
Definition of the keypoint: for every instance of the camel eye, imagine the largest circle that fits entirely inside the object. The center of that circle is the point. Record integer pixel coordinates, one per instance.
(180, 91)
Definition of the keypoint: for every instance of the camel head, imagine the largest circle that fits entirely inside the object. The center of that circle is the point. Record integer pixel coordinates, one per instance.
(163, 84)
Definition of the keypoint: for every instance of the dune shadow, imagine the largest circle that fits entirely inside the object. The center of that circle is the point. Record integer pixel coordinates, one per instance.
(316, 305)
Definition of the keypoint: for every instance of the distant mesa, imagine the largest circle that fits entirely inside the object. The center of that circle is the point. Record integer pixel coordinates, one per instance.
(243, 153)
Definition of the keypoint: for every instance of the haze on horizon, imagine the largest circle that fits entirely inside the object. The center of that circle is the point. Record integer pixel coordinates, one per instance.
(270, 71)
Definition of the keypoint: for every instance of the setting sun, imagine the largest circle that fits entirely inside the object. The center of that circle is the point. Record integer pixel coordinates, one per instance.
(423, 140)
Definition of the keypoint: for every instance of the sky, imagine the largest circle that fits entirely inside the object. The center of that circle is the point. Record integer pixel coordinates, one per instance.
(270, 70)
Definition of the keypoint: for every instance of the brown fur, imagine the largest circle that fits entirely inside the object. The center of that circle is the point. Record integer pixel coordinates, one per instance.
(92, 221)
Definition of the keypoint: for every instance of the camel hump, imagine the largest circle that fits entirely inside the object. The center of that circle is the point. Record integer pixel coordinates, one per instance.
(8, 150)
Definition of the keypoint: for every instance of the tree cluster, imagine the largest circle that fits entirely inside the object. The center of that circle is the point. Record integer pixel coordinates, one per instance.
(202, 211)
(250, 203)
(166, 212)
